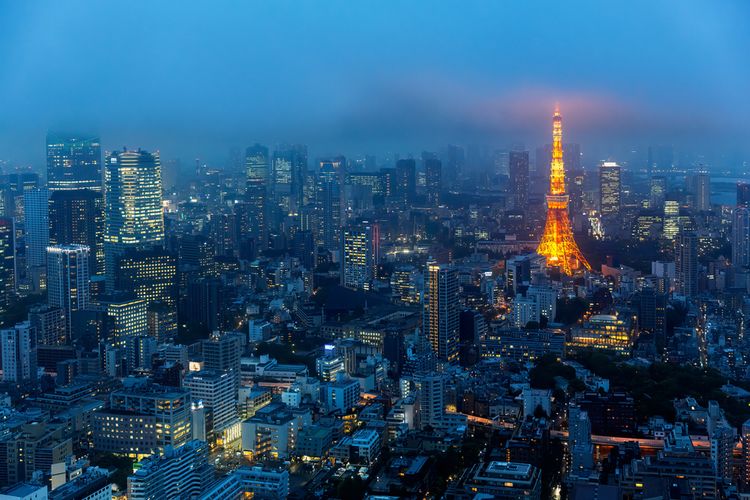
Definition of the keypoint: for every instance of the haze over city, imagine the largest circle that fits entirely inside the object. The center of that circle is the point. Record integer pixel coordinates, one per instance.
(196, 81)
(427, 250)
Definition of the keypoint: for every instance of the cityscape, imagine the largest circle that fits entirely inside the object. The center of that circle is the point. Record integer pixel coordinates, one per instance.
(313, 251)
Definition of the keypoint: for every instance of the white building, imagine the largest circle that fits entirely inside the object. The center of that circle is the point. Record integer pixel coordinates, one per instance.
(264, 481)
(525, 309)
(341, 395)
(366, 445)
(183, 472)
(216, 391)
(431, 398)
(272, 432)
(546, 300)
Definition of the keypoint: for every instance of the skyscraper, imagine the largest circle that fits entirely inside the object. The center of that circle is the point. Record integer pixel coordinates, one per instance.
(433, 169)
(73, 162)
(406, 179)
(743, 194)
(609, 188)
(68, 279)
(77, 217)
(686, 262)
(519, 178)
(359, 256)
(256, 191)
(7, 261)
(442, 310)
(557, 243)
(36, 226)
(741, 237)
(329, 204)
(134, 216)
(657, 192)
(287, 177)
(701, 189)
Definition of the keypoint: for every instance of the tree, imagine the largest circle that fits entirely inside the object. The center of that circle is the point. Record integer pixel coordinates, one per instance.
(569, 311)
(351, 488)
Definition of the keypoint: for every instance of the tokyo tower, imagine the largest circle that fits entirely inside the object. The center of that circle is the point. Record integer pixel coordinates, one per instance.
(557, 243)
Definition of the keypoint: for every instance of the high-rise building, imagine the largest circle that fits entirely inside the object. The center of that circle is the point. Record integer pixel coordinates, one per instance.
(431, 397)
(579, 442)
(218, 393)
(745, 469)
(359, 249)
(133, 206)
(433, 170)
(519, 178)
(741, 237)
(743, 194)
(143, 420)
(68, 279)
(36, 226)
(651, 306)
(404, 284)
(525, 310)
(7, 261)
(77, 217)
(329, 204)
(49, 324)
(609, 188)
(657, 192)
(686, 262)
(441, 310)
(406, 179)
(222, 353)
(183, 472)
(288, 172)
(127, 316)
(700, 186)
(557, 243)
(73, 162)
(256, 190)
(18, 355)
(150, 274)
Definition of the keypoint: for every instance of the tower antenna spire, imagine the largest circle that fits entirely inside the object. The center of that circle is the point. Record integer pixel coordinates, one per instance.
(557, 243)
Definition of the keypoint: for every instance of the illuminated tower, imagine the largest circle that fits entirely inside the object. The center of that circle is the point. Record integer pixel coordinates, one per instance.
(441, 310)
(73, 162)
(557, 243)
(68, 279)
(133, 211)
(359, 256)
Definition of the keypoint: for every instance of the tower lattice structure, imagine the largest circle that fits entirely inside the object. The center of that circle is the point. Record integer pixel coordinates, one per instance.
(557, 243)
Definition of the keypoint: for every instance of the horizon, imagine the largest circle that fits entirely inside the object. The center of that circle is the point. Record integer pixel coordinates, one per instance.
(449, 75)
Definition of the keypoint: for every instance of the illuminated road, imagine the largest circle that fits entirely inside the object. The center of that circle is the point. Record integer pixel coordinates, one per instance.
(657, 444)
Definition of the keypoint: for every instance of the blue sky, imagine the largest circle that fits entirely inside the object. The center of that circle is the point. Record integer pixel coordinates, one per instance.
(198, 78)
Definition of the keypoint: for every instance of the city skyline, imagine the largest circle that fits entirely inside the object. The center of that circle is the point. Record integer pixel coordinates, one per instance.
(377, 81)
(431, 251)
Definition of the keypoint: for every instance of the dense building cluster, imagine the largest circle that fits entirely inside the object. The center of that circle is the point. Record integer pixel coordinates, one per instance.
(373, 328)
